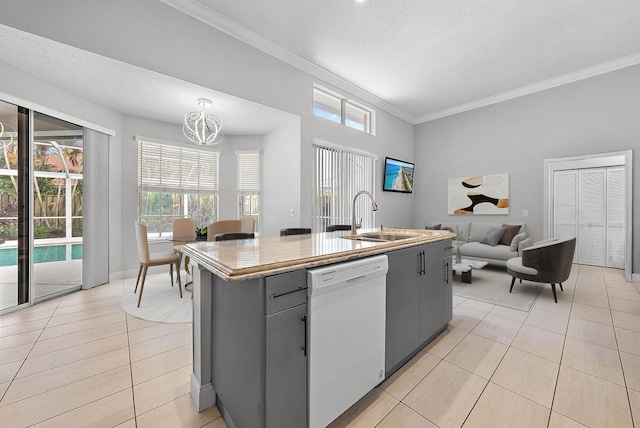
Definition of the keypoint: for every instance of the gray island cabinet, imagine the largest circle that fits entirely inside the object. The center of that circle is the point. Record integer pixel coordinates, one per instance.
(419, 300)
(250, 335)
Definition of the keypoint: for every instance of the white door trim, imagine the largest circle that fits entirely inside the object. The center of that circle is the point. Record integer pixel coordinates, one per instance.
(624, 158)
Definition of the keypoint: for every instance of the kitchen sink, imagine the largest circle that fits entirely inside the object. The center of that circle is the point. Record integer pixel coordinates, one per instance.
(379, 237)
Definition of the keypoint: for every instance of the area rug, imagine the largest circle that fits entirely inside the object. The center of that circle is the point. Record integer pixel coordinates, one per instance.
(491, 285)
(160, 301)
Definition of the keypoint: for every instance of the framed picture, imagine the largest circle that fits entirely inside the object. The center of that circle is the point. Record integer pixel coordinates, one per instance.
(480, 194)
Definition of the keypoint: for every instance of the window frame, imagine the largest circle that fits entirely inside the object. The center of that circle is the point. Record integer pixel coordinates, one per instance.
(253, 193)
(368, 125)
(341, 182)
(206, 161)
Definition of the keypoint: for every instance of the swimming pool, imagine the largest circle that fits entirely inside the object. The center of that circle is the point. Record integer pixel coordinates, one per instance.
(42, 254)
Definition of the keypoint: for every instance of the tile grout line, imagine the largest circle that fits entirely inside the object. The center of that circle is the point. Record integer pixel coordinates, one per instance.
(498, 365)
(564, 342)
(133, 394)
(624, 376)
(82, 331)
(439, 362)
(28, 353)
(73, 362)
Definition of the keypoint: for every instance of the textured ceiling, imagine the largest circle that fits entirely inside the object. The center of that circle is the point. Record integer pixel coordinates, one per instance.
(130, 89)
(425, 57)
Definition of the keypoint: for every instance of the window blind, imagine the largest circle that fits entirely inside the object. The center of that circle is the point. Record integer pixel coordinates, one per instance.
(338, 175)
(248, 169)
(172, 169)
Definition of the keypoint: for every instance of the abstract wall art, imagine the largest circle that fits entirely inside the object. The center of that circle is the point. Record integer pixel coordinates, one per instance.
(481, 194)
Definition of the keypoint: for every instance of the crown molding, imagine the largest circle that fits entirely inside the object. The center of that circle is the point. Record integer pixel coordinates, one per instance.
(212, 18)
(575, 76)
(237, 31)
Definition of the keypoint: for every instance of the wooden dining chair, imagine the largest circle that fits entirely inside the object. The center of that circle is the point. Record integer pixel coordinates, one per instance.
(155, 259)
(248, 225)
(223, 226)
(184, 232)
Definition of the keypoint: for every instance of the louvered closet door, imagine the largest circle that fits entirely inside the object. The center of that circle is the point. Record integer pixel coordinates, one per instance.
(592, 217)
(565, 203)
(615, 217)
(590, 205)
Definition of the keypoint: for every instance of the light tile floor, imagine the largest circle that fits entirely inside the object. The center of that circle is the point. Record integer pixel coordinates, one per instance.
(568, 364)
(80, 360)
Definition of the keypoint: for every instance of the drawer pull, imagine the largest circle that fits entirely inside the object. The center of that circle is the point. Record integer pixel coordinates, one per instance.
(273, 296)
(304, 348)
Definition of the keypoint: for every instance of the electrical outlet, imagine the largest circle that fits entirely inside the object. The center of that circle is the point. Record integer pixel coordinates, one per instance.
(525, 213)
(292, 212)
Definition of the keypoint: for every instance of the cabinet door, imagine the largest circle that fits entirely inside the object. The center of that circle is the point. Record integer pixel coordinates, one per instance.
(432, 292)
(403, 305)
(448, 288)
(286, 369)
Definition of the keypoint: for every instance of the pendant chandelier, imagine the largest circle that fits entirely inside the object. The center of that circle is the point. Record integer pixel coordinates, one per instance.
(201, 127)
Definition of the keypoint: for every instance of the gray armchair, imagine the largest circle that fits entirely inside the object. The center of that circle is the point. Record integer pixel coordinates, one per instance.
(546, 261)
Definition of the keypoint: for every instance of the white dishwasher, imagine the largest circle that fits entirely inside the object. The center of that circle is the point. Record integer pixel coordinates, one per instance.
(346, 333)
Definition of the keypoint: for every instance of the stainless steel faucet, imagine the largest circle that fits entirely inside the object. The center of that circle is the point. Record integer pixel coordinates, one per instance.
(374, 207)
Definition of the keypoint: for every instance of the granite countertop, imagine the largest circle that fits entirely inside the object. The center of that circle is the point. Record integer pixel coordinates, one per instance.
(270, 255)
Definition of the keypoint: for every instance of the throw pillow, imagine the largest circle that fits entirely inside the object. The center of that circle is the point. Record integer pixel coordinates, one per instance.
(434, 227)
(493, 236)
(511, 231)
(516, 240)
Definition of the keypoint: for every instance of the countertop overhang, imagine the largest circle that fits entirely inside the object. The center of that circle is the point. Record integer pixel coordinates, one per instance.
(270, 255)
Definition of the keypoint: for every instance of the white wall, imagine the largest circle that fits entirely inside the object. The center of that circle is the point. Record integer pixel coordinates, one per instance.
(133, 127)
(155, 36)
(228, 173)
(280, 188)
(597, 115)
(396, 209)
(29, 91)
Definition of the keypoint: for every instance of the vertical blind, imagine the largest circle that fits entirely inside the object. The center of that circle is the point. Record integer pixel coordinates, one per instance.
(248, 168)
(338, 175)
(172, 169)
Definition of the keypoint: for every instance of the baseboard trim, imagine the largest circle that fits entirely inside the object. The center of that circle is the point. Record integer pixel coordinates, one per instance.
(203, 396)
(635, 277)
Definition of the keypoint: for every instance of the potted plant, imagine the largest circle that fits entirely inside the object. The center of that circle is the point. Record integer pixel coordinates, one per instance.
(458, 240)
(201, 233)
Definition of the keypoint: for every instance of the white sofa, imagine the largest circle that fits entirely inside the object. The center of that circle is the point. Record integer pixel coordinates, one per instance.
(475, 231)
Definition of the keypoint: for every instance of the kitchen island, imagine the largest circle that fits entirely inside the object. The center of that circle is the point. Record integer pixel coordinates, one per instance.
(250, 307)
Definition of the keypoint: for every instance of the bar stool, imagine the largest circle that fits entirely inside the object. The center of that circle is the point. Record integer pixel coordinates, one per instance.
(295, 231)
(233, 236)
(334, 227)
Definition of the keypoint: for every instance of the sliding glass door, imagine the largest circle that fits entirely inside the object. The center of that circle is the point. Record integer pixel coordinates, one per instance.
(41, 167)
(57, 205)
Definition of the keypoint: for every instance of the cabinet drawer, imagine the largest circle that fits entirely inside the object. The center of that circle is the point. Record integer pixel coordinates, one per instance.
(285, 291)
(447, 248)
